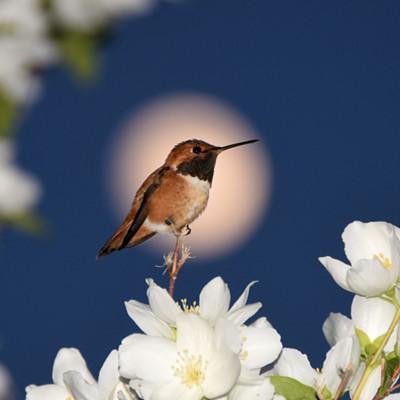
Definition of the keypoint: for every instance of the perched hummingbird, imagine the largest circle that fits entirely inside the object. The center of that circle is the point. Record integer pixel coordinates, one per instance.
(172, 197)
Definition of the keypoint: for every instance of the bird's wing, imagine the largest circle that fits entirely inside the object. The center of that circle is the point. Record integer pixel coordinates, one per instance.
(142, 199)
(136, 216)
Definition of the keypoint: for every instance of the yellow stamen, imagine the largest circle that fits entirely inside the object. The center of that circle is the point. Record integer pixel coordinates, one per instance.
(191, 309)
(383, 260)
(190, 368)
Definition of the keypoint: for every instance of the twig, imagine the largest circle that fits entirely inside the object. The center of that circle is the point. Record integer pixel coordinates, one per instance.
(173, 272)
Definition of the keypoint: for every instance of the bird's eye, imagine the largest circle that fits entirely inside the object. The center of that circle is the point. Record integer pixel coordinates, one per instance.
(196, 149)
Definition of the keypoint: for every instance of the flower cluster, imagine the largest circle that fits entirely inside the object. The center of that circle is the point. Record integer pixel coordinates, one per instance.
(364, 358)
(206, 350)
(30, 36)
(199, 351)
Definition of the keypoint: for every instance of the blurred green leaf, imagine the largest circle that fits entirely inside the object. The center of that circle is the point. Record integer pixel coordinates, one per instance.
(291, 389)
(30, 223)
(79, 50)
(8, 115)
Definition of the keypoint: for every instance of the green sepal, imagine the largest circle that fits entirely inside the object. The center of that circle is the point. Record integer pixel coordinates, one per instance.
(30, 223)
(391, 365)
(365, 343)
(8, 115)
(373, 347)
(291, 389)
(79, 50)
(378, 341)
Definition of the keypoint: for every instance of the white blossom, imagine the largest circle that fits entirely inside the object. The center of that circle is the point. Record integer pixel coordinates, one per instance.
(24, 48)
(194, 366)
(89, 15)
(251, 346)
(373, 249)
(72, 380)
(341, 361)
(19, 190)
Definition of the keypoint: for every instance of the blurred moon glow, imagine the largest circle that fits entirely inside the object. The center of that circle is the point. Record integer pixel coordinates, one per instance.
(241, 186)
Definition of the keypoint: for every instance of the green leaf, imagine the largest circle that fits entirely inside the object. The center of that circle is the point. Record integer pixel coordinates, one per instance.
(79, 50)
(291, 389)
(8, 115)
(390, 367)
(29, 223)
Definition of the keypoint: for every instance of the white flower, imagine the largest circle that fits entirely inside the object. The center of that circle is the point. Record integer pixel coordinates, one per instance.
(196, 365)
(373, 316)
(22, 17)
(83, 15)
(159, 317)
(341, 362)
(24, 48)
(374, 252)
(343, 358)
(73, 380)
(252, 347)
(19, 191)
(89, 15)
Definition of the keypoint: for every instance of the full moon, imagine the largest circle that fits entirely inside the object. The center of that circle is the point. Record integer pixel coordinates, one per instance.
(241, 187)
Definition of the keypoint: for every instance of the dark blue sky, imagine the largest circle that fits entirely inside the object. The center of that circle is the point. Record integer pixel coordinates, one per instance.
(320, 81)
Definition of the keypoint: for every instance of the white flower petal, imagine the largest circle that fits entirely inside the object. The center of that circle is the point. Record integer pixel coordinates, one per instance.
(364, 240)
(240, 316)
(80, 389)
(70, 360)
(46, 392)
(162, 304)
(371, 386)
(147, 357)
(264, 391)
(261, 346)
(337, 269)
(228, 335)
(143, 388)
(336, 327)
(373, 316)
(369, 278)
(222, 373)
(261, 322)
(177, 391)
(242, 300)
(146, 320)
(214, 300)
(343, 357)
(294, 364)
(108, 375)
(193, 333)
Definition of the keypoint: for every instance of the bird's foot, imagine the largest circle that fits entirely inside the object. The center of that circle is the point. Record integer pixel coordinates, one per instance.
(185, 230)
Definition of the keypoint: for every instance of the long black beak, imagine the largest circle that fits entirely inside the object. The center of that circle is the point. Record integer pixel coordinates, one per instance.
(230, 146)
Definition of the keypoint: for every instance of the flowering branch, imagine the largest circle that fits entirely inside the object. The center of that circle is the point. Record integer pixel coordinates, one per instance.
(206, 351)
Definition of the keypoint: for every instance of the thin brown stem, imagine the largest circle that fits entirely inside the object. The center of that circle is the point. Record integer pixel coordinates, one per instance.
(173, 272)
(343, 382)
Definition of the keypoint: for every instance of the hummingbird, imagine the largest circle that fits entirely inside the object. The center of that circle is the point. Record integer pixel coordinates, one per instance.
(172, 197)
